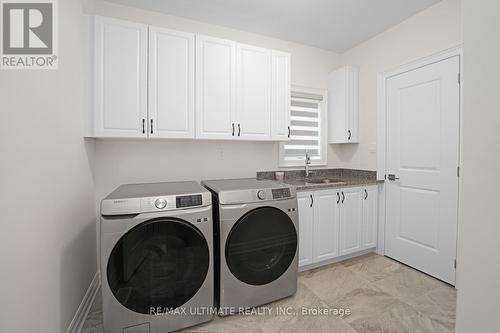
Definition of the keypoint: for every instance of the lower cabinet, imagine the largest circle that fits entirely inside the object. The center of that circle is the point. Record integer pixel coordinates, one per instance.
(306, 221)
(326, 225)
(336, 222)
(351, 215)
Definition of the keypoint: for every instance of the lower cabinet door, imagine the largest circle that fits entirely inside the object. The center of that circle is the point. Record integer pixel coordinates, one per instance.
(370, 216)
(306, 219)
(351, 217)
(326, 225)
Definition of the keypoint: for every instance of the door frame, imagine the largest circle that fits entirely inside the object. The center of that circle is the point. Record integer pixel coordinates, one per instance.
(382, 78)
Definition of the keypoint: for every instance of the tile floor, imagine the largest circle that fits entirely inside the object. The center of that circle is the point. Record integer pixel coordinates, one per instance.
(382, 295)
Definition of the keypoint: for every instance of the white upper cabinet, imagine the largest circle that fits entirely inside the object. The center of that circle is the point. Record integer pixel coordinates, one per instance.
(171, 84)
(343, 105)
(120, 85)
(280, 93)
(253, 110)
(215, 88)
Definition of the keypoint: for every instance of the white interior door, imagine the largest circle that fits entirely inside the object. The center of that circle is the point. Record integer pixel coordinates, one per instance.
(171, 83)
(423, 108)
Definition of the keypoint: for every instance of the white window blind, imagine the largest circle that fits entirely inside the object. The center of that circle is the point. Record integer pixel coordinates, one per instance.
(305, 129)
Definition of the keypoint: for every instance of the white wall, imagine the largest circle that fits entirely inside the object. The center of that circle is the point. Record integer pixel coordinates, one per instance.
(479, 226)
(432, 30)
(127, 161)
(47, 238)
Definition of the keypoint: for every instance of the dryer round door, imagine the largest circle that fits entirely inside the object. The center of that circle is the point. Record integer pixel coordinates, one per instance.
(261, 246)
(161, 263)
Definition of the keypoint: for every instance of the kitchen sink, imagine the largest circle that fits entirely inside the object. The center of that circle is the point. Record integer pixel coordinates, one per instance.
(324, 181)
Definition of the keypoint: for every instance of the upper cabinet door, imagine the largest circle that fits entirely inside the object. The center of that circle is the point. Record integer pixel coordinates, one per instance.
(280, 96)
(215, 88)
(253, 112)
(343, 105)
(120, 105)
(171, 84)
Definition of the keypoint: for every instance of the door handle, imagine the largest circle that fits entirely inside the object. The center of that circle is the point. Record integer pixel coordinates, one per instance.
(151, 126)
(338, 198)
(343, 197)
(312, 200)
(233, 129)
(239, 129)
(349, 137)
(143, 126)
(366, 194)
(289, 132)
(392, 177)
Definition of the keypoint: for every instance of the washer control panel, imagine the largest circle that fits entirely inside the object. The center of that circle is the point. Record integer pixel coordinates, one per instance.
(281, 193)
(188, 201)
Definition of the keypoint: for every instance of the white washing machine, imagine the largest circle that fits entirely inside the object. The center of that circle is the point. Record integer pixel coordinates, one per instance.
(156, 257)
(256, 242)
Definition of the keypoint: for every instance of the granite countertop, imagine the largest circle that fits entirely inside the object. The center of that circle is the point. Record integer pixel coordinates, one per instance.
(348, 177)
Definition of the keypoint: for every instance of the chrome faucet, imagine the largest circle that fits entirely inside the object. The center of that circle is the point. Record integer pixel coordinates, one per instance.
(308, 162)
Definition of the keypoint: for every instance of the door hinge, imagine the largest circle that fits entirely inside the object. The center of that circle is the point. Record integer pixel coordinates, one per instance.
(459, 78)
(458, 171)
(455, 264)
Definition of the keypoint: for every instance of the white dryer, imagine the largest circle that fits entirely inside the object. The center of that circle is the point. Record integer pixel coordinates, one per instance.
(156, 257)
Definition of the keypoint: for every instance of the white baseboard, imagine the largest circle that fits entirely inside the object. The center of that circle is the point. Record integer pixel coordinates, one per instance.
(83, 310)
(335, 260)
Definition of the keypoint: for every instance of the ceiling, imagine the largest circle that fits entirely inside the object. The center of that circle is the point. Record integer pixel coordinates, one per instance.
(335, 25)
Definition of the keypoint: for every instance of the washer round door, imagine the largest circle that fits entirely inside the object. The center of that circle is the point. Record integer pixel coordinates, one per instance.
(161, 263)
(261, 246)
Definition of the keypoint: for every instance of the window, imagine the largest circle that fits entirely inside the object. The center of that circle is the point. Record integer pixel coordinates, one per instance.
(307, 127)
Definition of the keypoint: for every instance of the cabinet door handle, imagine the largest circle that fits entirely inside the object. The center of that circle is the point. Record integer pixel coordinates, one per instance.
(349, 137)
(343, 197)
(289, 133)
(233, 129)
(366, 194)
(338, 198)
(239, 130)
(151, 131)
(312, 200)
(143, 126)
